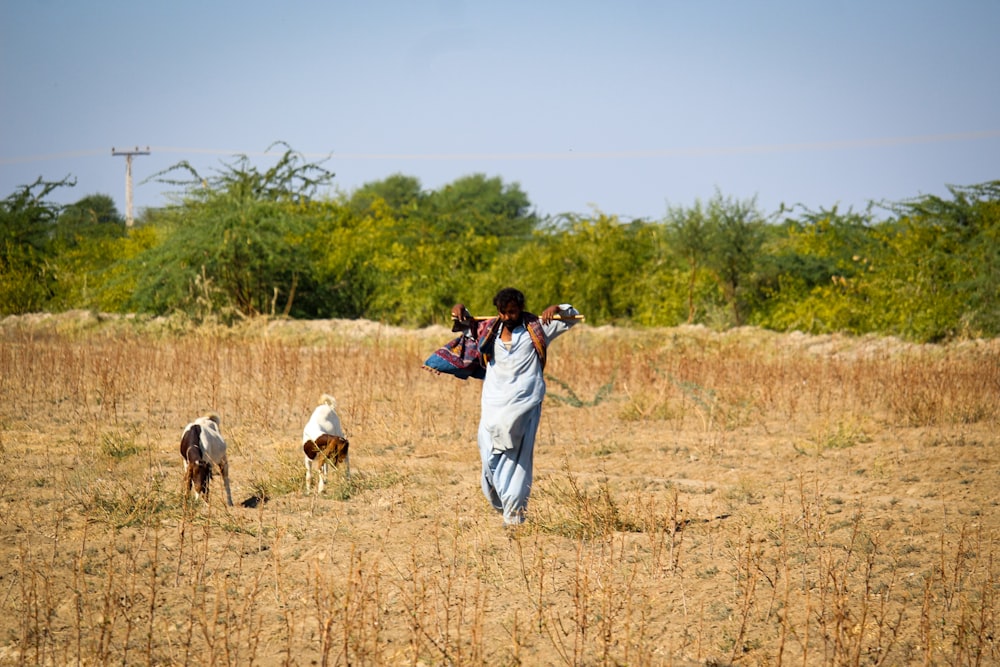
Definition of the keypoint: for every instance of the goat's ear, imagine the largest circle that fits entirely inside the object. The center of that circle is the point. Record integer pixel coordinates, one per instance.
(310, 448)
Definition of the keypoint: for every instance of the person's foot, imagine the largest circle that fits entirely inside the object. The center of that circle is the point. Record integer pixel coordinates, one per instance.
(513, 530)
(513, 527)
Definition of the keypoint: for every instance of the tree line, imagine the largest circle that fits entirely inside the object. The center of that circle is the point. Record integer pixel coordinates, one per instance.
(244, 242)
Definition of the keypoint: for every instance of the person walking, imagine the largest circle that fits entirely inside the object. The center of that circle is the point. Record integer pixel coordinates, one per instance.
(511, 349)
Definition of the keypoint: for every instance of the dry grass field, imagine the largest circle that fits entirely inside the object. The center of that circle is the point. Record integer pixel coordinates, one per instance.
(700, 498)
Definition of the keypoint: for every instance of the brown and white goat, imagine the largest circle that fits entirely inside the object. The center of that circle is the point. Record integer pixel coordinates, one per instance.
(202, 446)
(323, 442)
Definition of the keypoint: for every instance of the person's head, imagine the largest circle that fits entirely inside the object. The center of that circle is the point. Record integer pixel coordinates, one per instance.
(510, 306)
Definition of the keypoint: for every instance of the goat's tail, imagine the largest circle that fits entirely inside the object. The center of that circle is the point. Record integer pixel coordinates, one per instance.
(329, 400)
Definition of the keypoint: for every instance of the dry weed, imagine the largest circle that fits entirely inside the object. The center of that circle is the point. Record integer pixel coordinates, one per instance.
(700, 498)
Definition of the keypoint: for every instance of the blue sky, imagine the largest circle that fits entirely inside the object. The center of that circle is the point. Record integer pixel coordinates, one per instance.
(622, 107)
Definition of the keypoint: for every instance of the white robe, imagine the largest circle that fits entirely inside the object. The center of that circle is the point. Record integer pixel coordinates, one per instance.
(511, 410)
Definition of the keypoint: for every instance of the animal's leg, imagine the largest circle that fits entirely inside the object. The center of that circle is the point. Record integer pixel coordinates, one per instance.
(309, 475)
(322, 478)
(224, 467)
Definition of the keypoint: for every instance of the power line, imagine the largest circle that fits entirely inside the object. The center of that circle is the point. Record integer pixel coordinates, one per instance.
(691, 151)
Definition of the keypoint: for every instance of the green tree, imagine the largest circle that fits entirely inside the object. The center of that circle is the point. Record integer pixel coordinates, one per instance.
(86, 242)
(421, 249)
(113, 287)
(812, 274)
(27, 223)
(93, 217)
(735, 235)
(402, 194)
(231, 245)
(595, 262)
(346, 242)
(485, 205)
(939, 277)
(688, 234)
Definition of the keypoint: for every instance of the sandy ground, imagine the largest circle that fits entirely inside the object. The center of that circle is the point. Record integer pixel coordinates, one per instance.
(700, 498)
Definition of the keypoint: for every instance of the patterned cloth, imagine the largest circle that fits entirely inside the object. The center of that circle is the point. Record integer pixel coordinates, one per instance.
(467, 355)
(458, 357)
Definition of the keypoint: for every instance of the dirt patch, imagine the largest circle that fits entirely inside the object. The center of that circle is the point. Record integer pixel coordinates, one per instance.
(700, 498)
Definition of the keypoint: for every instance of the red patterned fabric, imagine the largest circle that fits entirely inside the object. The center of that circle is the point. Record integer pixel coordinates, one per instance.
(467, 356)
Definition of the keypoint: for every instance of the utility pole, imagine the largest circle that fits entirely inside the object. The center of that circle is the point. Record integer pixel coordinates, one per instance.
(128, 178)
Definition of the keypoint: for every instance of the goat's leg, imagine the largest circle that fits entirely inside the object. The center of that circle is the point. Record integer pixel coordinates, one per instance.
(322, 478)
(224, 467)
(309, 474)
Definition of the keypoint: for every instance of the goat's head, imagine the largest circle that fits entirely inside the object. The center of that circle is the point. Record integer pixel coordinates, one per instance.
(200, 476)
(330, 448)
(197, 471)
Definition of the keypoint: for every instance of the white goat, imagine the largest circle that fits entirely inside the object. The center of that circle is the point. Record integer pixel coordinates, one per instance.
(323, 442)
(202, 446)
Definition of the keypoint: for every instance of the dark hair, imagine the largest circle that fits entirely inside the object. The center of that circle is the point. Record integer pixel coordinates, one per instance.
(507, 296)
